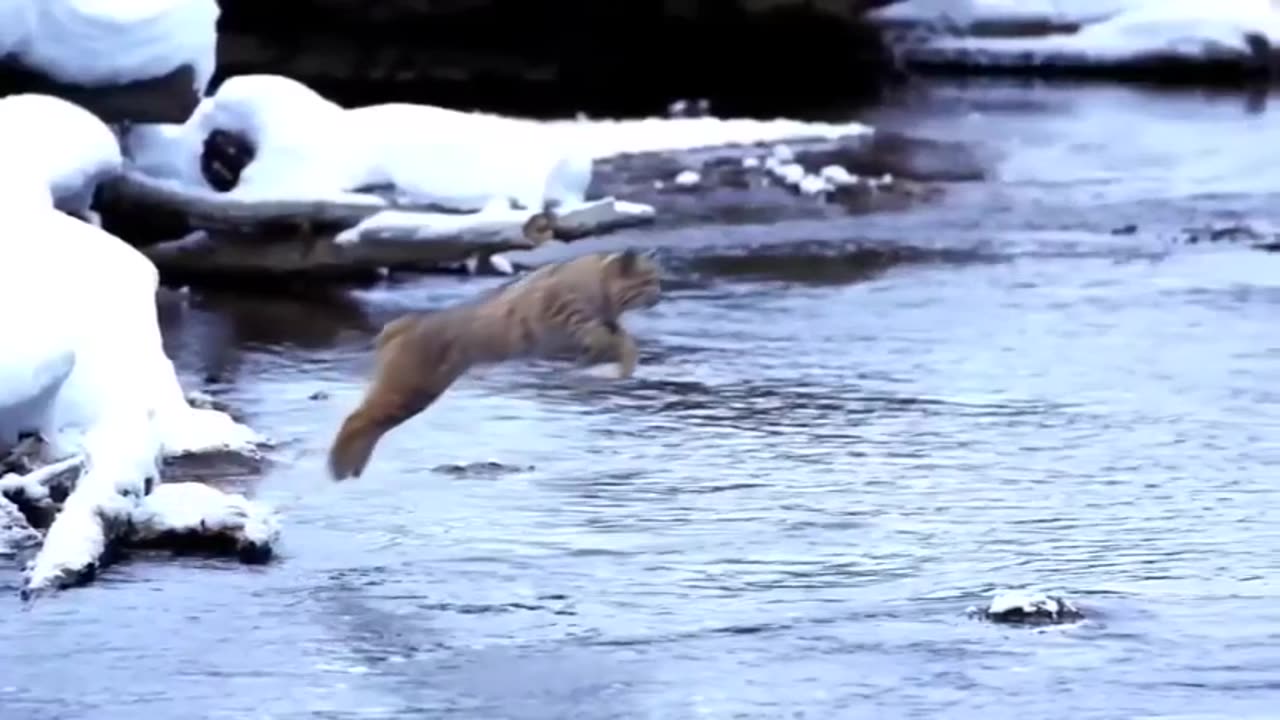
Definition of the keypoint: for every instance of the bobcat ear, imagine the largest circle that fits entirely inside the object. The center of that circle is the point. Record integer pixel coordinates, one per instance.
(625, 260)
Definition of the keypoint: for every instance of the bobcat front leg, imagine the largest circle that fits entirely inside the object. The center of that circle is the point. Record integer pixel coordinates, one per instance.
(602, 340)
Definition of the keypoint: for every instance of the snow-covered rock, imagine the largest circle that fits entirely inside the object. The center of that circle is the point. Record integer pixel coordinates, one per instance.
(306, 149)
(101, 42)
(306, 145)
(1028, 608)
(85, 367)
(1111, 32)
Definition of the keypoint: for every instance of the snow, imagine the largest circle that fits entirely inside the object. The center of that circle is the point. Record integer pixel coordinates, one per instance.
(687, 178)
(1114, 31)
(790, 173)
(813, 185)
(429, 226)
(188, 508)
(309, 146)
(837, 175)
(34, 487)
(85, 366)
(964, 13)
(31, 375)
(115, 338)
(1030, 607)
(56, 146)
(101, 42)
(494, 219)
(15, 533)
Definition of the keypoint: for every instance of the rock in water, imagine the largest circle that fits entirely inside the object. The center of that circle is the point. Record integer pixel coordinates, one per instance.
(1021, 608)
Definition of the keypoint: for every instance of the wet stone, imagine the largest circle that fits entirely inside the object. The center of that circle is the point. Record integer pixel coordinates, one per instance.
(484, 467)
(1015, 608)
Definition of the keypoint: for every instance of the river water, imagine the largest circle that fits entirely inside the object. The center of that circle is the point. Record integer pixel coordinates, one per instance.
(821, 463)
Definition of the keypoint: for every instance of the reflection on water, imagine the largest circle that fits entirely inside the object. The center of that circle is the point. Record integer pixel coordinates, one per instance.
(786, 512)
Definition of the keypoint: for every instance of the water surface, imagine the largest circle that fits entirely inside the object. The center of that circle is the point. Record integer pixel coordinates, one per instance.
(787, 511)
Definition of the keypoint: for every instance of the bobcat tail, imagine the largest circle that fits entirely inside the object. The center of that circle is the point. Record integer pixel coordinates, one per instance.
(354, 444)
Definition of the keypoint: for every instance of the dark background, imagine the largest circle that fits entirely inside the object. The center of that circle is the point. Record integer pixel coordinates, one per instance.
(558, 57)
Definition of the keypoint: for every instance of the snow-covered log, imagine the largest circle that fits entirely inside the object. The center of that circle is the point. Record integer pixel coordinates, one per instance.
(119, 469)
(123, 61)
(209, 209)
(194, 516)
(16, 533)
(43, 489)
(1167, 40)
(239, 235)
(86, 373)
(333, 189)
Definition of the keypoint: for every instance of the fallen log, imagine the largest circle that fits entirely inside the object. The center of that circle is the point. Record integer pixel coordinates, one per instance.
(207, 209)
(349, 234)
(16, 533)
(41, 492)
(77, 512)
(120, 466)
(193, 517)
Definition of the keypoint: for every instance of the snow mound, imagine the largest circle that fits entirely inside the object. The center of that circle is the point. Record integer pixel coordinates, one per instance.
(309, 146)
(119, 361)
(1131, 32)
(56, 145)
(99, 42)
(85, 367)
(198, 514)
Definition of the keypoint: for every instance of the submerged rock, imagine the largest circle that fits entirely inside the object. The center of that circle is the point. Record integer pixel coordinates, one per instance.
(484, 467)
(1260, 235)
(810, 178)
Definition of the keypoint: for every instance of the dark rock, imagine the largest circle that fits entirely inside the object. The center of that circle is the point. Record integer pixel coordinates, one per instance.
(1260, 235)
(169, 98)
(901, 155)
(224, 155)
(204, 544)
(485, 467)
(553, 58)
(737, 187)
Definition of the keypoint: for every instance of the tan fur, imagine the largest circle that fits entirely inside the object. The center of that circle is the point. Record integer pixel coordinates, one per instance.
(572, 305)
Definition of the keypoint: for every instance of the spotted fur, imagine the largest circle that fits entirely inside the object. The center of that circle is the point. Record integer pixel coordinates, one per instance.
(573, 305)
